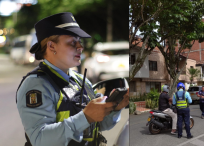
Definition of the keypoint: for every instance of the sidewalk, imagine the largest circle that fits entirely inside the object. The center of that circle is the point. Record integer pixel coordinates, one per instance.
(140, 107)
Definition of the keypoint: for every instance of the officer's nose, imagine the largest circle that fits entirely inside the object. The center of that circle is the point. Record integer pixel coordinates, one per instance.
(80, 47)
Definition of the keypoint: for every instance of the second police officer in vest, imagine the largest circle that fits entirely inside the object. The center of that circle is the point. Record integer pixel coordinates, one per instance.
(201, 95)
(48, 97)
(182, 99)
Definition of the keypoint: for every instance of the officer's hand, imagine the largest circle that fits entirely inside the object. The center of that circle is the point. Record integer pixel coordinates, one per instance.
(95, 111)
(124, 102)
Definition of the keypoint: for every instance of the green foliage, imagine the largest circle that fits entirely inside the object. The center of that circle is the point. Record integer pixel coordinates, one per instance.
(152, 99)
(174, 20)
(151, 104)
(141, 97)
(193, 72)
(132, 107)
(153, 94)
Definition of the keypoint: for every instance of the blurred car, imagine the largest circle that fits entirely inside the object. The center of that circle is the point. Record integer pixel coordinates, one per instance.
(193, 92)
(19, 52)
(109, 60)
(123, 137)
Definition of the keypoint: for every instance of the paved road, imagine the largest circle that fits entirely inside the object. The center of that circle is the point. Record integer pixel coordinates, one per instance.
(140, 136)
(11, 129)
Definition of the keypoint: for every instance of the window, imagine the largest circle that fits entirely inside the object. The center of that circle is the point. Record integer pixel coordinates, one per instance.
(153, 85)
(132, 59)
(132, 86)
(193, 89)
(191, 66)
(152, 65)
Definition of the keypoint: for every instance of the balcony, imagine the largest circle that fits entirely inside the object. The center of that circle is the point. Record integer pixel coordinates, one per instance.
(200, 79)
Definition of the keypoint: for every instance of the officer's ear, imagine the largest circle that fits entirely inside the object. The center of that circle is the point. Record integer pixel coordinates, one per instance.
(51, 46)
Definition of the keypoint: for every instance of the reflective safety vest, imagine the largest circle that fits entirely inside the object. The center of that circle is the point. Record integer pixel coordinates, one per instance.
(68, 103)
(181, 102)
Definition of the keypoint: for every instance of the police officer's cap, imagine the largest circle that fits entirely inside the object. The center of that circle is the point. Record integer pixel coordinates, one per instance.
(58, 24)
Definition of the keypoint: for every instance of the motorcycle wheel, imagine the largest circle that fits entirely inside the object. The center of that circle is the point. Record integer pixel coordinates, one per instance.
(191, 123)
(153, 129)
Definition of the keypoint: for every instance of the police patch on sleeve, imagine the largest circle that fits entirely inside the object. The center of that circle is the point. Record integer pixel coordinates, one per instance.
(33, 98)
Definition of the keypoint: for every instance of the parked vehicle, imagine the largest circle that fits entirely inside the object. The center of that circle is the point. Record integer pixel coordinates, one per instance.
(158, 121)
(19, 53)
(109, 60)
(193, 92)
(123, 136)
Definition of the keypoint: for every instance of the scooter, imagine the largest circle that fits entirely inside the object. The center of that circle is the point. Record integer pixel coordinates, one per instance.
(159, 121)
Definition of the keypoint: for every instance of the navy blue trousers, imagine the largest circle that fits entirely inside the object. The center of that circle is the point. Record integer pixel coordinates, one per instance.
(183, 115)
(202, 107)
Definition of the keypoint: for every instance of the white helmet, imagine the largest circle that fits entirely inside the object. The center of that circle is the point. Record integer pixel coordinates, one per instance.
(165, 88)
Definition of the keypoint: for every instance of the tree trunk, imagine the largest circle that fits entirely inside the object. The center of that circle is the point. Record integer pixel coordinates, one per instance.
(109, 36)
(140, 59)
(136, 66)
(173, 86)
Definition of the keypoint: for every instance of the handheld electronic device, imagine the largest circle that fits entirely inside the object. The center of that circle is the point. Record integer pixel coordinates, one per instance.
(117, 95)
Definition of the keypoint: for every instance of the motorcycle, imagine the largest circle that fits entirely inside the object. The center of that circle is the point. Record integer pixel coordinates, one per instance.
(160, 121)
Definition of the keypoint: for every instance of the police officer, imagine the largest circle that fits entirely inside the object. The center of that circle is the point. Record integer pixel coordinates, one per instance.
(49, 100)
(164, 106)
(201, 95)
(182, 99)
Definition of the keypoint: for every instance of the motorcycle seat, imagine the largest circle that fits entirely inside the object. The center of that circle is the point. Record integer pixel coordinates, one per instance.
(157, 111)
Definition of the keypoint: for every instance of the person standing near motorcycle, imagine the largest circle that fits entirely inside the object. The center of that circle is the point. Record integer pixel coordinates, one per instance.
(182, 99)
(164, 106)
(201, 95)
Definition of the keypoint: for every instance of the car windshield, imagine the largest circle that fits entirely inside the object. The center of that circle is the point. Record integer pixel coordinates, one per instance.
(193, 89)
(116, 52)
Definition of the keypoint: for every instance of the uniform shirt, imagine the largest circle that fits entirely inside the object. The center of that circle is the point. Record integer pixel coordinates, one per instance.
(40, 122)
(201, 92)
(163, 101)
(180, 93)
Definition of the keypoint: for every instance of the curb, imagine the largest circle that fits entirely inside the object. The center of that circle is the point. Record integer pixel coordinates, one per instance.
(140, 112)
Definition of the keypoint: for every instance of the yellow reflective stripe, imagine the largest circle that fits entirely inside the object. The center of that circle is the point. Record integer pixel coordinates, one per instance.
(89, 97)
(81, 78)
(60, 100)
(52, 70)
(79, 85)
(62, 115)
(92, 138)
(181, 104)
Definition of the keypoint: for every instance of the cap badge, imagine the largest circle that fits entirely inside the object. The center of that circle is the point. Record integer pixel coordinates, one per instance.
(73, 18)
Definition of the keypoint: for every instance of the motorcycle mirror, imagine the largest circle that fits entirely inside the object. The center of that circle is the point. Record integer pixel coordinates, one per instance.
(111, 84)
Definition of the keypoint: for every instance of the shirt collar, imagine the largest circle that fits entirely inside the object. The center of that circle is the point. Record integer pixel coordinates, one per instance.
(71, 74)
(64, 75)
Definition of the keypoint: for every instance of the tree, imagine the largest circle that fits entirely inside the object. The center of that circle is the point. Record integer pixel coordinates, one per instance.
(142, 15)
(193, 73)
(178, 23)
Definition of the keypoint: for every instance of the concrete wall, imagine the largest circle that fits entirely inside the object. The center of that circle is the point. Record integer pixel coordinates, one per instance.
(161, 72)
